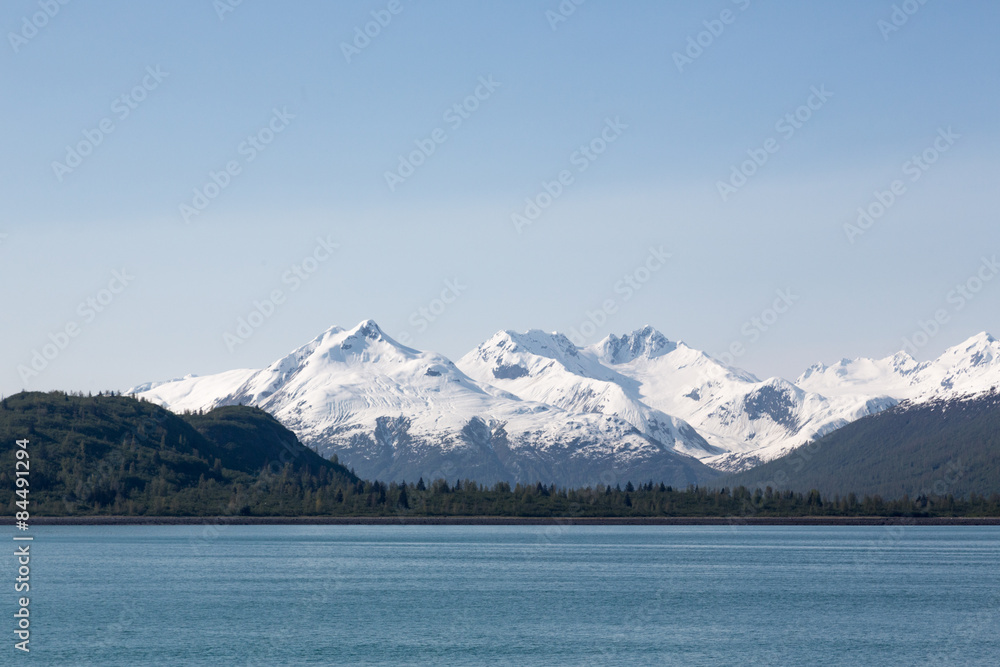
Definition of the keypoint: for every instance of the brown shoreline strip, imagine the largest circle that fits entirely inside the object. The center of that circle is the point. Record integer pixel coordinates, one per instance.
(504, 521)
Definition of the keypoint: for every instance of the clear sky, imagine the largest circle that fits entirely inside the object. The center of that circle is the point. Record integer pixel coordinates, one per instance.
(693, 165)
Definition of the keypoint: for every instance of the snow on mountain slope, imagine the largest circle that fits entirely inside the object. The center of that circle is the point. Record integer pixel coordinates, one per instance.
(393, 412)
(969, 368)
(533, 406)
(665, 388)
(752, 420)
(193, 392)
(890, 376)
(775, 417)
(548, 368)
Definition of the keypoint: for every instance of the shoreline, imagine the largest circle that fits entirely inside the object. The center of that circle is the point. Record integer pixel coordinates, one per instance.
(503, 521)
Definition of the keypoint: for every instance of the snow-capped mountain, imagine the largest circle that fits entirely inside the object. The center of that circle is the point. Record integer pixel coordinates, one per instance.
(548, 368)
(753, 420)
(668, 391)
(969, 368)
(392, 412)
(535, 407)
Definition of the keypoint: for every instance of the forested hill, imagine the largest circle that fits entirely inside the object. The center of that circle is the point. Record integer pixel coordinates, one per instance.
(939, 448)
(117, 455)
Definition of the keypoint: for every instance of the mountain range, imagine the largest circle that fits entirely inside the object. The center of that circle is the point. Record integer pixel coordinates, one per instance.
(524, 407)
(970, 368)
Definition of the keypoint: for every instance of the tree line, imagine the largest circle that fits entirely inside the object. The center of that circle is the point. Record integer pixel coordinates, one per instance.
(114, 455)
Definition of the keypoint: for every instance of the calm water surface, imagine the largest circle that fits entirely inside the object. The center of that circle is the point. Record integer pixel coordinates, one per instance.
(512, 595)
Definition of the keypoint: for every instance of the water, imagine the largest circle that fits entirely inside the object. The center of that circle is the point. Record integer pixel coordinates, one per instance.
(466, 595)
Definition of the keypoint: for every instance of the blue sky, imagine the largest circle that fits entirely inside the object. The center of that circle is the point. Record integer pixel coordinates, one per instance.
(768, 270)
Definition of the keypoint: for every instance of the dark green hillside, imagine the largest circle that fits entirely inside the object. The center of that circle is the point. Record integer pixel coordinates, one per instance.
(113, 455)
(941, 448)
(248, 438)
(117, 455)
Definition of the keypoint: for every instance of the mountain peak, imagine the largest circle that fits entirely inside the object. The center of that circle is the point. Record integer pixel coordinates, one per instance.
(981, 338)
(533, 341)
(977, 351)
(816, 369)
(366, 341)
(645, 342)
(368, 329)
(980, 341)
